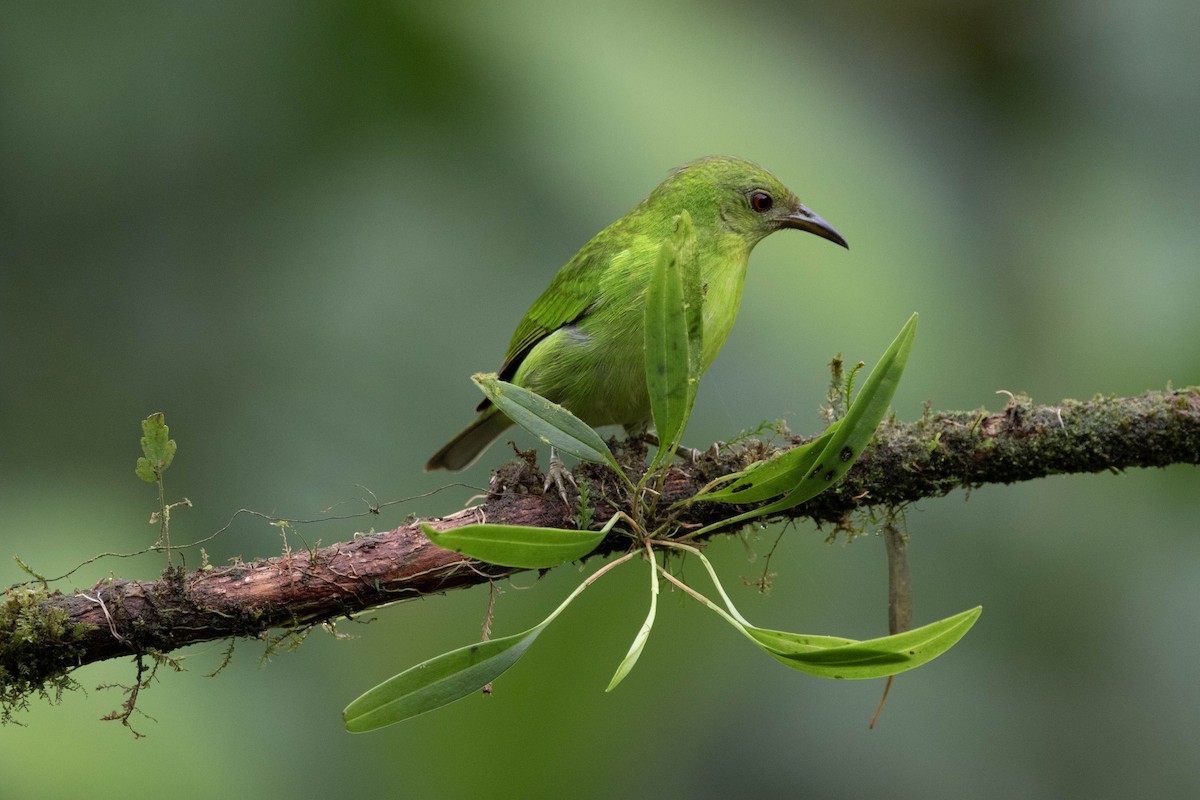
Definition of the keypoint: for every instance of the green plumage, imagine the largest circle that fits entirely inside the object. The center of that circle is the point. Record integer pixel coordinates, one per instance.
(581, 342)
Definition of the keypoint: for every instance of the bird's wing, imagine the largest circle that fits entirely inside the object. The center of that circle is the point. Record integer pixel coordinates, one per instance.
(568, 297)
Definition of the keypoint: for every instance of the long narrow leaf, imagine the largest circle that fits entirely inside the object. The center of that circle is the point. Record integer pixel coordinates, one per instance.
(856, 429)
(837, 657)
(519, 545)
(437, 682)
(673, 331)
(639, 641)
(693, 299)
(785, 643)
(852, 435)
(775, 476)
(549, 422)
(874, 658)
(450, 676)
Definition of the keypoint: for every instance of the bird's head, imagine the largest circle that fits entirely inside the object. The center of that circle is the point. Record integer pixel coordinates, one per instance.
(740, 197)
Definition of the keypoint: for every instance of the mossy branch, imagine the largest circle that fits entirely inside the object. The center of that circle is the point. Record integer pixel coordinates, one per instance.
(44, 635)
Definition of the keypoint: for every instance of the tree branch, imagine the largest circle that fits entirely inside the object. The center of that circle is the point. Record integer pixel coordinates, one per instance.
(44, 635)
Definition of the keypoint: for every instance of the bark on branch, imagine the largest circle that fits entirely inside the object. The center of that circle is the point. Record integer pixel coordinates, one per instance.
(44, 634)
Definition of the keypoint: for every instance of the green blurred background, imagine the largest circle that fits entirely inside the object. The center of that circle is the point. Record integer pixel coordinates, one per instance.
(297, 228)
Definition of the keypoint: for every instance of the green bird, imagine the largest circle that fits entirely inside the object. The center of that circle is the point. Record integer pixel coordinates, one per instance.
(581, 343)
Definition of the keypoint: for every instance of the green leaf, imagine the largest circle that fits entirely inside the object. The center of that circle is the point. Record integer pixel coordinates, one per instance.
(639, 641)
(856, 429)
(159, 450)
(673, 336)
(518, 545)
(775, 476)
(832, 657)
(437, 682)
(549, 422)
(784, 642)
(693, 298)
(450, 676)
(853, 433)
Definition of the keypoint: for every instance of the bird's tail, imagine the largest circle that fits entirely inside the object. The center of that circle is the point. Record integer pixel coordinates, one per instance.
(463, 449)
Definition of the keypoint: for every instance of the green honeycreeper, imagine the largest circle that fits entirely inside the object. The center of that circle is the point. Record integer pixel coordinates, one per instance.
(581, 343)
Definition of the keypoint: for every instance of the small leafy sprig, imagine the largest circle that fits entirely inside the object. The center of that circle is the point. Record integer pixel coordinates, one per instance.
(673, 347)
(158, 451)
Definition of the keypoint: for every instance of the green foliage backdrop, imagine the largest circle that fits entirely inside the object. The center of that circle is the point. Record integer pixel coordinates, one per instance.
(297, 229)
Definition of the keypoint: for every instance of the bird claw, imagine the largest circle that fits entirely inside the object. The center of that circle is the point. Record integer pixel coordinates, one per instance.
(555, 474)
(692, 455)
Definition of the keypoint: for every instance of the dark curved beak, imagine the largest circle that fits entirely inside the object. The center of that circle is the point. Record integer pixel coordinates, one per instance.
(804, 220)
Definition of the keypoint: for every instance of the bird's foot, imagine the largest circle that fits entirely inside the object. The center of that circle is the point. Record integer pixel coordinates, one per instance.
(687, 453)
(555, 475)
(692, 455)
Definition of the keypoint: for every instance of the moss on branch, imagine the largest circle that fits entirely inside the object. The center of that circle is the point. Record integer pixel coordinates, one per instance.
(45, 635)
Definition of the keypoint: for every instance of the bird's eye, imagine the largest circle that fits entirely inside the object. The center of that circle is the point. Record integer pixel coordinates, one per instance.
(761, 202)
